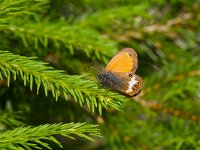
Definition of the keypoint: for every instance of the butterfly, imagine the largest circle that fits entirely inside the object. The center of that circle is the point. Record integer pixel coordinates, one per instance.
(119, 74)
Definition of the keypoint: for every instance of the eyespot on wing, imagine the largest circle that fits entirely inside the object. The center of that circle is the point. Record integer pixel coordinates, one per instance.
(134, 86)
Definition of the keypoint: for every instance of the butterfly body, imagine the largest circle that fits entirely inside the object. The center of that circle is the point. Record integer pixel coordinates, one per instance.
(119, 73)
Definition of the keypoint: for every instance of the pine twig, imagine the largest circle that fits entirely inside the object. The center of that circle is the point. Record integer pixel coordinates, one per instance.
(83, 91)
(156, 106)
(35, 137)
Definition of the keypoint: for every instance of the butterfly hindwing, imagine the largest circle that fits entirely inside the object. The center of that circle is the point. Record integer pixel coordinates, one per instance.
(126, 84)
(124, 61)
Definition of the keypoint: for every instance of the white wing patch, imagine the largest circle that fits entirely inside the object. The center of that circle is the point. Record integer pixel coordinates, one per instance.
(131, 84)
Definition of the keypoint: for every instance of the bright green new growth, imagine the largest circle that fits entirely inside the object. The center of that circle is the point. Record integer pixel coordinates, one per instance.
(35, 137)
(10, 120)
(82, 91)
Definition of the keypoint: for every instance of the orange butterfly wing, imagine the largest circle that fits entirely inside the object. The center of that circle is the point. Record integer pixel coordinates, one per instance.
(124, 61)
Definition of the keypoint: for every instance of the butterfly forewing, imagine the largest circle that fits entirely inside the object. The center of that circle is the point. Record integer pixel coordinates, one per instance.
(124, 61)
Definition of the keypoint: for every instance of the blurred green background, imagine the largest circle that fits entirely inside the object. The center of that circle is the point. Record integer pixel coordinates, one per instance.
(81, 37)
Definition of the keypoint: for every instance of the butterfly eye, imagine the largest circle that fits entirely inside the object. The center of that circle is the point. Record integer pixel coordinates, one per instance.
(130, 75)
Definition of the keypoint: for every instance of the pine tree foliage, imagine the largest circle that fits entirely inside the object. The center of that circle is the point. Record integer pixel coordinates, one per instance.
(75, 35)
(92, 44)
(34, 71)
(10, 120)
(13, 9)
(32, 137)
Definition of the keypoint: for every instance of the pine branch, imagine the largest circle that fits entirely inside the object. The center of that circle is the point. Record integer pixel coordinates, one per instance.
(37, 137)
(59, 34)
(172, 93)
(82, 91)
(157, 106)
(73, 38)
(116, 17)
(10, 9)
(10, 120)
(157, 28)
(149, 31)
